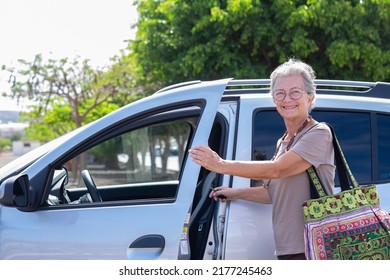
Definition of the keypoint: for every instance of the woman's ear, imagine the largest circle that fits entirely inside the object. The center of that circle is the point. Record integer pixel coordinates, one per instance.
(311, 100)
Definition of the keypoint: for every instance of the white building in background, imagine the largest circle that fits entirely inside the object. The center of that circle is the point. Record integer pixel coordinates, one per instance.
(10, 127)
(21, 147)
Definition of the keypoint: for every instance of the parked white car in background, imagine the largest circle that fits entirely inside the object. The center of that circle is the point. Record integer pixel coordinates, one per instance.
(123, 187)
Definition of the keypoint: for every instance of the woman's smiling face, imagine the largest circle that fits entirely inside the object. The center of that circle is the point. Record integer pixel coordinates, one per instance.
(290, 108)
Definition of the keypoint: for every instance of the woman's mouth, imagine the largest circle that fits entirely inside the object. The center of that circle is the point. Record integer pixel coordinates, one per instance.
(289, 107)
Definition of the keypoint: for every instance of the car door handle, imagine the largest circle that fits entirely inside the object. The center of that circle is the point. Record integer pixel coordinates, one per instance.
(147, 247)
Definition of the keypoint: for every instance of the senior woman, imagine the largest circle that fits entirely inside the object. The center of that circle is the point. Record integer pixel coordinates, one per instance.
(305, 143)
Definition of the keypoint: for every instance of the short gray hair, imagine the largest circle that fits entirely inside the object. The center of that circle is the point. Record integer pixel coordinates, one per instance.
(296, 67)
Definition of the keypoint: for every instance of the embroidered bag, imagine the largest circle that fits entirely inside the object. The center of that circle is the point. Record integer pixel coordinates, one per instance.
(349, 225)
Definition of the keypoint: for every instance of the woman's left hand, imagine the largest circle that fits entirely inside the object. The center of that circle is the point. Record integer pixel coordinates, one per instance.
(207, 158)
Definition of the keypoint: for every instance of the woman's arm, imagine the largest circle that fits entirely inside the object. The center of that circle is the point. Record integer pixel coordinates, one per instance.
(288, 164)
(256, 194)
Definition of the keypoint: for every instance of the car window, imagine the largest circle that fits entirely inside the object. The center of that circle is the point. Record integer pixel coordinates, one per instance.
(353, 130)
(148, 154)
(143, 163)
(383, 147)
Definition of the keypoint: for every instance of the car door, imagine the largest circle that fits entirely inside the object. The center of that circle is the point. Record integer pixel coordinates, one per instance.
(125, 229)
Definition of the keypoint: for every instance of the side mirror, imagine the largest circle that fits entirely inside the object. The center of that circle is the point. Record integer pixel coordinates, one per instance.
(15, 191)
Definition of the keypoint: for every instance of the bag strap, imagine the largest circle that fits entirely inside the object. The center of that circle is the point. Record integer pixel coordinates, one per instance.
(345, 174)
(346, 178)
(316, 188)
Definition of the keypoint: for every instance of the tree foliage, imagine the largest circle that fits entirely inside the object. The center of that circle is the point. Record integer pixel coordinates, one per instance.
(121, 75)
(52, 82)
(5, 144)
(66, 94)
(180, 40)
(57, 120)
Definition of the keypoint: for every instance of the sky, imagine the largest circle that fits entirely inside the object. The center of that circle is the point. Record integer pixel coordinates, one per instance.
(89, 29)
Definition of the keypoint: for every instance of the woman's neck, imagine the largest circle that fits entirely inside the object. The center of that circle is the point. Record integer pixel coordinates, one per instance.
(295, 126)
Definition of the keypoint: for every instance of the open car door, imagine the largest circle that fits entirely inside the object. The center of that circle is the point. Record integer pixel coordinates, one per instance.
(147, 226)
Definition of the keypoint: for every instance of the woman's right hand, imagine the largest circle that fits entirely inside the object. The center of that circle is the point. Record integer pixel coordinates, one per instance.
(223, 194)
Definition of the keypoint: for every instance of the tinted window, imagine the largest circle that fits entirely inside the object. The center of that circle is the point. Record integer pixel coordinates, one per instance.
(383, 147)
(352, 129)
(268, 128)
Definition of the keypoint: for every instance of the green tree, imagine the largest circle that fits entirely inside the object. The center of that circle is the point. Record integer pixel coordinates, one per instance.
(57, 120)
(66, 95)
(180, 40)
(64, 91)
(121, 75)
(5, 144)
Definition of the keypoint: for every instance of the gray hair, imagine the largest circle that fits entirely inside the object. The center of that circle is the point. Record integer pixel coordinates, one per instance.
(296, 67)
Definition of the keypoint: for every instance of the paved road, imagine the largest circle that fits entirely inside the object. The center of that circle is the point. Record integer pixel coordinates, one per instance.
(6, 157)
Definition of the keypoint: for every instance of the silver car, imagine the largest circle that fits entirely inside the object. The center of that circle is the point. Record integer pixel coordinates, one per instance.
(123, 187)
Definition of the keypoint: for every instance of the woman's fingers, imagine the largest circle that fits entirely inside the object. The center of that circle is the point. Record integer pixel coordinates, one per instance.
(205, 157)
(219, 193)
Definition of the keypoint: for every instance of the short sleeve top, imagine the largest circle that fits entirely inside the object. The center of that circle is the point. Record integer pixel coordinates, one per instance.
(313, 144)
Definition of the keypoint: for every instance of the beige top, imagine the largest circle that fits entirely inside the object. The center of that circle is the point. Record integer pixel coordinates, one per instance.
(314, 144)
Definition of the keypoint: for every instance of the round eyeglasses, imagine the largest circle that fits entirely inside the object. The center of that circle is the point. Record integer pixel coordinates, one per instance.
(294, 93)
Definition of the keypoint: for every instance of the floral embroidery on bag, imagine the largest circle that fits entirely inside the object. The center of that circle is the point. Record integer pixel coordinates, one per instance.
(372, 196)
(360, 197)
(333, 205)
(349, 200)
(316, 209)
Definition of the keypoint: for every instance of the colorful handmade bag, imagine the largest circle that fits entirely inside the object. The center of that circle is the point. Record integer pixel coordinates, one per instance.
(349, 225)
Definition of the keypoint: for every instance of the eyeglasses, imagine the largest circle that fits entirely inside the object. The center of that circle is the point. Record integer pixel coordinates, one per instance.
(294, 93)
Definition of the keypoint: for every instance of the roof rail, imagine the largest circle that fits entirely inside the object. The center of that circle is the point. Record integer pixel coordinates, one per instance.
(178, 85)
(335, 87)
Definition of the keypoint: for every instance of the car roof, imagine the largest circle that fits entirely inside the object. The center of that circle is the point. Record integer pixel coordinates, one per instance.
(333, 87)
